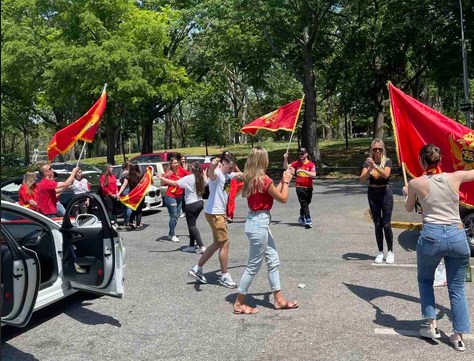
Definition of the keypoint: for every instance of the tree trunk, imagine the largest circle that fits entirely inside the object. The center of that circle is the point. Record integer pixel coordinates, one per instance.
(147, 137)
(309, 131)
(27, 148)
(378, 122)
(110, 142)
(168, 132)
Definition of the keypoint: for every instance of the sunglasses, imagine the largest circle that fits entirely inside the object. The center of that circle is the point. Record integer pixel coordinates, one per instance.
(377, 149)
(301, 153)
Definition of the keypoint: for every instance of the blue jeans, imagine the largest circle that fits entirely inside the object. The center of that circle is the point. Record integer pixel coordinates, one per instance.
(174, 208)
(262, 245)
(446, 242)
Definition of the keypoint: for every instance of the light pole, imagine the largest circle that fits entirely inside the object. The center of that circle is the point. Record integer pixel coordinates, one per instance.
(466, 106)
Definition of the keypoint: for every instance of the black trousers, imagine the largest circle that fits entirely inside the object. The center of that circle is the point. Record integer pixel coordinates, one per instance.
(137, 214)
(193, 211)
(381, 207)
(110, 204)
(304, 197)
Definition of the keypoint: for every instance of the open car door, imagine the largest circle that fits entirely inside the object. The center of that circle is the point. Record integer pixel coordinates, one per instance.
(20, 274)
(93, 253)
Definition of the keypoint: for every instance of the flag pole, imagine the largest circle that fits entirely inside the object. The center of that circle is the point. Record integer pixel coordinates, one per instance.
(289, 143)
(293, 132)
(404, 174)
(80, 155)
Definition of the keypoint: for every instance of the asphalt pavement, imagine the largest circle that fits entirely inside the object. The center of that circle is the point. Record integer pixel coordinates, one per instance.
(350, 308)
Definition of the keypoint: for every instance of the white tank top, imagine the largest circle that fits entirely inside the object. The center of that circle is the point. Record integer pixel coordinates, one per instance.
(441, 205)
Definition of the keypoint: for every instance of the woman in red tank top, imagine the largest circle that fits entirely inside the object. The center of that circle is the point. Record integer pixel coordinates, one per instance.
(260, 193)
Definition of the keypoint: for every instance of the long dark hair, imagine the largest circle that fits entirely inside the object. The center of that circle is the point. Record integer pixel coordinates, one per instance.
(200, 183)
(134, 176)
(105, 173)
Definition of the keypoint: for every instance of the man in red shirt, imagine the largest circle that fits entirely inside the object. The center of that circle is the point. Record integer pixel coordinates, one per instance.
(48, 190)
(305, 172)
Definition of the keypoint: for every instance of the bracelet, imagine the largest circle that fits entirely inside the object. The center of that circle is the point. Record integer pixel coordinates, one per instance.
(285, 182)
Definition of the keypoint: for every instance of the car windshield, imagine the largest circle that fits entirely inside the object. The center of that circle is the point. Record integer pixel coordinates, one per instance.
(68, 167)
(152, 158)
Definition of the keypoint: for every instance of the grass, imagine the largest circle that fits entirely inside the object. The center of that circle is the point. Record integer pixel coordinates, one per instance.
(339, 162)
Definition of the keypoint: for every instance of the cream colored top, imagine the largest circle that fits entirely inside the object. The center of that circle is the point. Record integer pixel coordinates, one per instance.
(441, 205)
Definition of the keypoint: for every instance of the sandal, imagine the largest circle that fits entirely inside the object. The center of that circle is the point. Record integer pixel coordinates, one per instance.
(458, 344)
(132, 226)
(247, 310)
(288, 305)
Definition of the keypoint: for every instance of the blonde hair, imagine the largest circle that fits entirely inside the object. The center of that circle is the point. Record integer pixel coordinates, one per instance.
(254, 171)
(29, 180)
(383, 156)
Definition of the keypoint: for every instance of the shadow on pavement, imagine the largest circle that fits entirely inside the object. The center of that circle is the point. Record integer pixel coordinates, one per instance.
(10, 353)
(253, 299)
(357, 257)
(408, 240)
(385, 319)
(73, 306)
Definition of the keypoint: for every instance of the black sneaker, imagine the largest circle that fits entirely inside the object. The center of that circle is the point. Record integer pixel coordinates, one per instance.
(197, 275)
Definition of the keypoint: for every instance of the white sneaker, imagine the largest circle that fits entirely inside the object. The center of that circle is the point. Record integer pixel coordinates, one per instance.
(174, 239)
(379, 257)
(189, 249)
(227, 281)
(182, 215)
(200, 250)
(390, 257)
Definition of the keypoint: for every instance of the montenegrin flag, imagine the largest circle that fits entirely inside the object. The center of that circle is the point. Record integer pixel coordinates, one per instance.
(284, 118)
(82, 129)
(416, 125)
(133, 199)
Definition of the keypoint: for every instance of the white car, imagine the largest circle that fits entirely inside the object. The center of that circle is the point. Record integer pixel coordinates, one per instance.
(43, 261)
(153, 199)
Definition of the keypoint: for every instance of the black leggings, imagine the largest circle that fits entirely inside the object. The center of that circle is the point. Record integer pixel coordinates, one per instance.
(304, 197)
(381, 207)
(111, 206)
(137, 214)
(192, 213)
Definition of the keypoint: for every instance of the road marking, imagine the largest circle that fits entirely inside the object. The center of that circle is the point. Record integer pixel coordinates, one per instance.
(400, 332)
(409, 265)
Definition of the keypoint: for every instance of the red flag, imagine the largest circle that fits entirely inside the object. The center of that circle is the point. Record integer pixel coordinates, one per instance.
(284, 118)
(416, 125)
(133, 199)
(82, 129)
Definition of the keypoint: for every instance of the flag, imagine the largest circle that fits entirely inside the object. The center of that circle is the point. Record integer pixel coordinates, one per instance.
(133, 199)
(284, 118)
(82, 129)
(416, 125)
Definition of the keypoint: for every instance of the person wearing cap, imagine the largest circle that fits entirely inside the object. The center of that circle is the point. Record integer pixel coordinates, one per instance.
(305, 172)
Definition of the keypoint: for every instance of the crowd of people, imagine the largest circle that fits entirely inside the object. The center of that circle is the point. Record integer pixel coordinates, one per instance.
(442, 236)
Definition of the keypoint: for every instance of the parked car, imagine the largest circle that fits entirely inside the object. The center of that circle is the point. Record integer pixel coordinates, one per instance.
(467, 217)
(11, 186)
(43, 261)
(153, 199)
(153, 157)
(204, 161)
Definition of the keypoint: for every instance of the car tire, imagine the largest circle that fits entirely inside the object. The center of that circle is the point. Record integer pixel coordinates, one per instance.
(468, 222)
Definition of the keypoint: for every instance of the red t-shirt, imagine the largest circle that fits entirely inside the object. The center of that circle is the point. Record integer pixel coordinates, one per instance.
(175, 191)
(261, 201)
(302, 179)
(24, 197)
(47, 196)
(110, 188)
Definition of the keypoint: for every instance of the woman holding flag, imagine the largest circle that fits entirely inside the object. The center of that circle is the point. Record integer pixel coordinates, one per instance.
(442, 237)
(132, 180)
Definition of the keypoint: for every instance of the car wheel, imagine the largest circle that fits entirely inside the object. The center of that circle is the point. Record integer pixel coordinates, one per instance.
(469, 227)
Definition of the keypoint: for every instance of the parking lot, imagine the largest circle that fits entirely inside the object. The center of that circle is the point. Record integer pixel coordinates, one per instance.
(350, 308)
